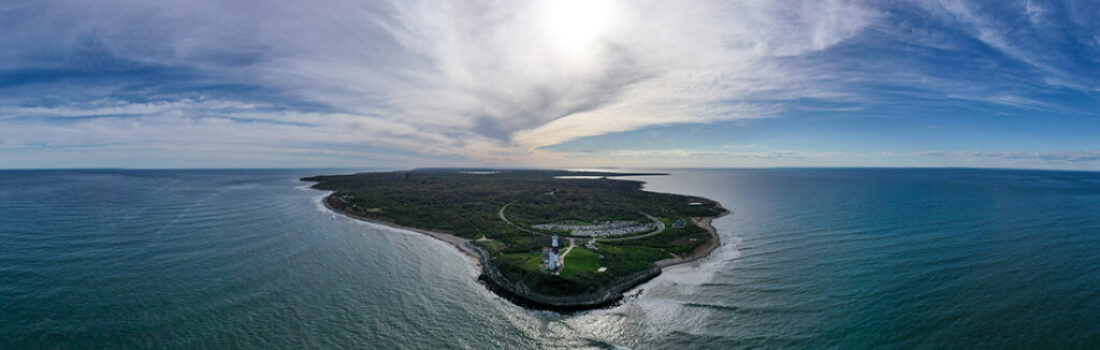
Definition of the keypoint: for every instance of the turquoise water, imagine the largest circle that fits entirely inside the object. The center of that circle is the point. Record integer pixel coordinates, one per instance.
(845, 258)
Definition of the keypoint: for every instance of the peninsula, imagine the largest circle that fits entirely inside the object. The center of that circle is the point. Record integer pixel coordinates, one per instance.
(544, 239)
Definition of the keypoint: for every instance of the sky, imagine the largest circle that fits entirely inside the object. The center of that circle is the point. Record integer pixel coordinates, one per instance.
(569, 83)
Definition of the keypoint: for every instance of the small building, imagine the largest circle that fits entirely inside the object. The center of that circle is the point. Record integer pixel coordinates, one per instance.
(680, 223)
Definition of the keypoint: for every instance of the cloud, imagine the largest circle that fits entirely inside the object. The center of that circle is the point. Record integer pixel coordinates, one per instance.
(707, 157)
(733, 157)
(495, 82)
(1046, 156)
(485, 80)
(1032, 32)
(689, 154)
(501, 70)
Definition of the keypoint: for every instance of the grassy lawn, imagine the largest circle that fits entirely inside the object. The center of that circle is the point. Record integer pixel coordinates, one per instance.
(531, 262)
(673, 240)
(630, 258)
(580, 260)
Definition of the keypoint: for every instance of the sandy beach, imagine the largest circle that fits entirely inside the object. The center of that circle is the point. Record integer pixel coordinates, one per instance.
(455, 241)
(700, 252)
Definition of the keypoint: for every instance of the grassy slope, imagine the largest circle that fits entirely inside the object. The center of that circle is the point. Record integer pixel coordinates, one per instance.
(580, 260)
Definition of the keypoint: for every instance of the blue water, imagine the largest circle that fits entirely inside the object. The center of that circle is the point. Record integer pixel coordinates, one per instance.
(812, 258)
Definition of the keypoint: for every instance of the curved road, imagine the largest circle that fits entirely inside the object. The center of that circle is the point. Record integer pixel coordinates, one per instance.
(502, 217)
(660, 227)
(573, 243)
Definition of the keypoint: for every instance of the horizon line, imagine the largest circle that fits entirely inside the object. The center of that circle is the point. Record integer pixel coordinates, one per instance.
(557, 168)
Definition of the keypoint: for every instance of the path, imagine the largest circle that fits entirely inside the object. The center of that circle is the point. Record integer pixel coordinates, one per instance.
(502, 217)
(561, 263)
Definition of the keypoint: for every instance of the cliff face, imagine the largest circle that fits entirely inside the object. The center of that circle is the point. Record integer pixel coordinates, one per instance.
(521, 294)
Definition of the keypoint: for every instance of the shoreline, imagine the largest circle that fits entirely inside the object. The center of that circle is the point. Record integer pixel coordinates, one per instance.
(457, 242)
(520, 295)
(703, 251)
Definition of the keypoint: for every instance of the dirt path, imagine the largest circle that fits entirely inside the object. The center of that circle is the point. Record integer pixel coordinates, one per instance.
(566, 252)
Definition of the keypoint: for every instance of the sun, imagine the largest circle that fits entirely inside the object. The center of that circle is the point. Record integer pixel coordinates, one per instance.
(575, 26)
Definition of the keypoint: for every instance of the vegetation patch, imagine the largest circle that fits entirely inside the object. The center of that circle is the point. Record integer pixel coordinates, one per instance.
(678, 241)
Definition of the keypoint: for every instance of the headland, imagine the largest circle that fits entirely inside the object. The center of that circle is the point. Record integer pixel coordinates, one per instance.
(543, 239)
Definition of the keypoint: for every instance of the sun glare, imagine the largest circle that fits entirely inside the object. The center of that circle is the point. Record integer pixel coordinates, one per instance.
(576, 25)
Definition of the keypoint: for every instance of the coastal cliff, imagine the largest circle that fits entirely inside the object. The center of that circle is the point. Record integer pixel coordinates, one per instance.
(521, 294)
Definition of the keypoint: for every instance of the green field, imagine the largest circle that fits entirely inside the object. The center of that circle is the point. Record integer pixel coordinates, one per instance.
(580, 260)
(530, 262)
(631, 258)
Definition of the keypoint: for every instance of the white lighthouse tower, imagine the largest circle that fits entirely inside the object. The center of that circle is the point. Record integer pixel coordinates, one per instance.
(550, 255)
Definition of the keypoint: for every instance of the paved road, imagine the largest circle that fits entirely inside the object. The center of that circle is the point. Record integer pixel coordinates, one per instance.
(660, 228)
(502, 217)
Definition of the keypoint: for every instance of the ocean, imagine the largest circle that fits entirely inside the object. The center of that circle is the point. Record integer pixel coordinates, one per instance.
(811, 258)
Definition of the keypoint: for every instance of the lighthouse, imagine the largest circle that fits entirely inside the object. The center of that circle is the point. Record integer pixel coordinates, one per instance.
(550, 255)
(554, 258)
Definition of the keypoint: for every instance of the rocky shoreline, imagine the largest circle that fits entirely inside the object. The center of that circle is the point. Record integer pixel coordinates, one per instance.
(521, 295)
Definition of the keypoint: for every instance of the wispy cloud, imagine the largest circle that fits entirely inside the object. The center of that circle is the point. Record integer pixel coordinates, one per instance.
(497, 81)
(738, 157)
(485, 80)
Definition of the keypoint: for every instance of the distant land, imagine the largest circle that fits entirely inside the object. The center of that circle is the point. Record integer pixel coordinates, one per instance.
(544, 239)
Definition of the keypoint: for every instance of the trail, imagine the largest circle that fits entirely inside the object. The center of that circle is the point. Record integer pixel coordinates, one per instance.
(502, 217)
(572, 243)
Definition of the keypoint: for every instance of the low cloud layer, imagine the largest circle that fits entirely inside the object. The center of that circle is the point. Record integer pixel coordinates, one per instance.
(1048, 156)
